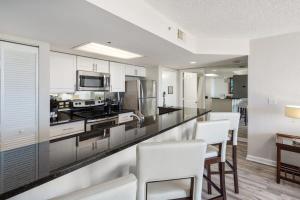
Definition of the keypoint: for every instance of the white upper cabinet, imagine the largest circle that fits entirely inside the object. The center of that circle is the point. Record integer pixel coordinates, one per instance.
(117, 77)
(62, 73)
(91, 64)
(102, 66)
(132, 70)
(19, 95)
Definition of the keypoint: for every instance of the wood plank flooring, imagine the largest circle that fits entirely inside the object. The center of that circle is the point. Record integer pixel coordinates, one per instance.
(256, 182)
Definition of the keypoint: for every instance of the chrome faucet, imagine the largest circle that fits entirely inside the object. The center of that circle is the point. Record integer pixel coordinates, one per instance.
(139, 117)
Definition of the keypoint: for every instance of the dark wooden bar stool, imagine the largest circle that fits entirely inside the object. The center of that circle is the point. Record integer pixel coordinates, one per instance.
(234, 119)
(215, 133)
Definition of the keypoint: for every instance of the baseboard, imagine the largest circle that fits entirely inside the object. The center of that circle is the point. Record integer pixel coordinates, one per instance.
(261, 160)
(242, 139)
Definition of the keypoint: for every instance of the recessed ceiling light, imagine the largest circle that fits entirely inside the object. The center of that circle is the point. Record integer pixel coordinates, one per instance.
(214, 70)
(193, 62)
(211, 75)
(107, 50)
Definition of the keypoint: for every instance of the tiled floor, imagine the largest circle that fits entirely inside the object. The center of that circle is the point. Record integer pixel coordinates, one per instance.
(257, 182)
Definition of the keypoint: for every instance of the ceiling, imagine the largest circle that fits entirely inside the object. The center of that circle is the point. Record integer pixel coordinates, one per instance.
(65, 24)
(238, 19)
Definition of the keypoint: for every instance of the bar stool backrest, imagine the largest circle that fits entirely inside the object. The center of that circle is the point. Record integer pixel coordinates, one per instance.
(233, 117)
(161, 161)
(214, 132)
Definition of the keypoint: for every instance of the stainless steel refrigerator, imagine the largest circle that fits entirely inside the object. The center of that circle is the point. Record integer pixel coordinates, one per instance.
(140, 95)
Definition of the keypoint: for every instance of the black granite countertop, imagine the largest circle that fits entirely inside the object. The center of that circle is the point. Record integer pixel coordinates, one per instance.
(64, 117)
(30, 166)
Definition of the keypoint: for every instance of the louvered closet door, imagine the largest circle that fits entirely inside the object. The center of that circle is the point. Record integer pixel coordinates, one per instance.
(18, 95)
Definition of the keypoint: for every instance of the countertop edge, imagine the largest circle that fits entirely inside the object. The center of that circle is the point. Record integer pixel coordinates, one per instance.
(88, 161)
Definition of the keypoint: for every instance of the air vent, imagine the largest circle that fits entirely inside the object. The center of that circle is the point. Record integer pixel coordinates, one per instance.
(180, 34)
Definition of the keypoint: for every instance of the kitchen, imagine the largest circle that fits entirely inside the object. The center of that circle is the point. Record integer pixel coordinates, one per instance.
(100, 94)
(94, 113)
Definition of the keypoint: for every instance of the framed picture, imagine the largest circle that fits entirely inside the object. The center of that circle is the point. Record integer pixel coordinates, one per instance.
(170, 89)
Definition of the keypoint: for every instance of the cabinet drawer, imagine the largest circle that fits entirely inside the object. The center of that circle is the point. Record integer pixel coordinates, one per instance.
(125, 117)
(66, 129)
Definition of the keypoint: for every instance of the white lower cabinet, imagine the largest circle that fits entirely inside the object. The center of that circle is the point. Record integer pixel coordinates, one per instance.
(62, 73)
(62, 130)
(62, 152)
(117, 77)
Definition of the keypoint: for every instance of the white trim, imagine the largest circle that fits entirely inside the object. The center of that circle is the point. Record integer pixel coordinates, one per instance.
(261, 160)
(242, 139)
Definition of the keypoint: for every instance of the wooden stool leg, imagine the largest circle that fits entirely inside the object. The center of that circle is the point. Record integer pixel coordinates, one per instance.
(222, 179)
(234, 164)
(209, 177)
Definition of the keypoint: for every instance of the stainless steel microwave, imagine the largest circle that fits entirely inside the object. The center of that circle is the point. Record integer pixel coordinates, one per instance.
(92, 81)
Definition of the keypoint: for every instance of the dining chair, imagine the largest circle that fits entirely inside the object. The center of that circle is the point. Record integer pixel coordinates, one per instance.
(214, 133)
(170, 170)
(234, 118)
(121, 188)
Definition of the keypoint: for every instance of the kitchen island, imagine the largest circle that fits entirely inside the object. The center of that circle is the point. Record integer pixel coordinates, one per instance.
(49, 169)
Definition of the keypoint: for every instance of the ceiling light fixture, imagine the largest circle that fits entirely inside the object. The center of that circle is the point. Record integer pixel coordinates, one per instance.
(193, 62)
(101, 49)
(211, 75)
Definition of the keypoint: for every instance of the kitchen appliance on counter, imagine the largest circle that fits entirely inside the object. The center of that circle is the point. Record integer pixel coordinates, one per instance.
(92, 81)
(140, 96)
(97, 113)
(78, 103)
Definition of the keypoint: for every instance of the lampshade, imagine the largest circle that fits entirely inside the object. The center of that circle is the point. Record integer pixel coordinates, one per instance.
(292, 111)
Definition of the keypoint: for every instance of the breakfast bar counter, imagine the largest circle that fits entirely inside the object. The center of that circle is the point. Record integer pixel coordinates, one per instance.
(52, 168)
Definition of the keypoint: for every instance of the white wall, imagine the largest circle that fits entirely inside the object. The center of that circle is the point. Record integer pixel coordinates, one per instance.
(168, 77)
(274, 69)
(216, 87)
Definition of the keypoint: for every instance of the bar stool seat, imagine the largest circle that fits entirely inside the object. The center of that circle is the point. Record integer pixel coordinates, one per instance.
(211, 151)
(173, 189)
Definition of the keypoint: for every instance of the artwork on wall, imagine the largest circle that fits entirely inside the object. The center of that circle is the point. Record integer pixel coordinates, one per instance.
(170, 89)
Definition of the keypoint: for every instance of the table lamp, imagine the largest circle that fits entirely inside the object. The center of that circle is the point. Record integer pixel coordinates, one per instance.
(292, 111)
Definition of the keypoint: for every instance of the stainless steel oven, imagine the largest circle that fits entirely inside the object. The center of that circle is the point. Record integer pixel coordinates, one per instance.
(92, 81)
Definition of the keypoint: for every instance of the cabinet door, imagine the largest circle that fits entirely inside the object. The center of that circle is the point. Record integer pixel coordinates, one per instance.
(62, 72)
(62, 153)
(86, 64)
(141, 71)
(130, 70)
(102, 66)
(117, 77)
(19, 84)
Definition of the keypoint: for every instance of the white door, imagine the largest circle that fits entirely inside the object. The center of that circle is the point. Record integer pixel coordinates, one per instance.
(190, 90)
(117, 77)
(19, 85)
(62, 73)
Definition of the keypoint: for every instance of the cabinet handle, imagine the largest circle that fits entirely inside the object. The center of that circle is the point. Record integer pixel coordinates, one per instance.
(66, 129)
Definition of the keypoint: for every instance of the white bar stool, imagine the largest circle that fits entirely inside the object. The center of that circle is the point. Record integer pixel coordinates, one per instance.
(121, 188)
(214, 133)
(234, 119)
(164, 170)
